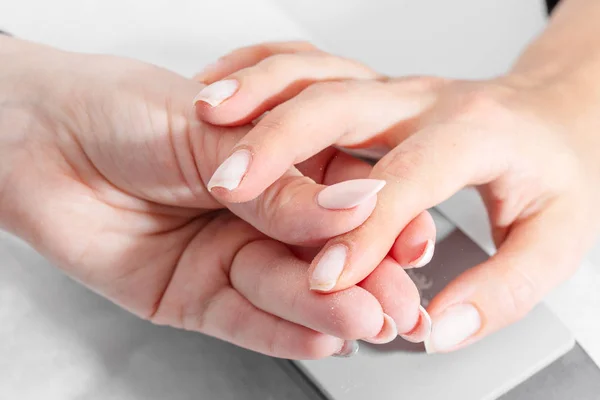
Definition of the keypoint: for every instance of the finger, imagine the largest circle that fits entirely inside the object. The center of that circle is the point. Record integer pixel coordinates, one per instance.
(233, 318)
(343, 113)
(415, 246)
(272, 279)
(399, 298)
(421, 172)
(295, 209)
(247, 57)
(535, 257)
(246, 94)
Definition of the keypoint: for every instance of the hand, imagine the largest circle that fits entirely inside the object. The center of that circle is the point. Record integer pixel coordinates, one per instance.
(529, 154)
(103, 171)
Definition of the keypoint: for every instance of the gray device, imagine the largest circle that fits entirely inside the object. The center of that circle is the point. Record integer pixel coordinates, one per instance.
(486, 370)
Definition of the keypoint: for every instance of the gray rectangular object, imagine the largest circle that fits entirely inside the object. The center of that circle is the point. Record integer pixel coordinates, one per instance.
(483, 371)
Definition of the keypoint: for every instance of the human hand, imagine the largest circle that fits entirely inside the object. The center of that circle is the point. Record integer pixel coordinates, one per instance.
(103, 170)
(532, 158)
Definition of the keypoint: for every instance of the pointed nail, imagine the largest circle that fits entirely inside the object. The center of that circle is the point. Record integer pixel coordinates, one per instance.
(425, 256)
(229, 175)
(422, 329)
(349, 349)
(216, 93)
(329, 268)
(349, 194)
(388, 332)
(455, 325)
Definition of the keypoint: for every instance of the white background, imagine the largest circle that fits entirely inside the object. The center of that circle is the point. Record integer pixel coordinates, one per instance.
(459, 38)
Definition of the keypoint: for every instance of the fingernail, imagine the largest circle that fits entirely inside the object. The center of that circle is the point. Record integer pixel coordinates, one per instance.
(349, 194)
(349, 348)
(425, 256)
(329, 268)
(388, 332)
(422, 329)
(231, 172)
(216, 93)
(455, 325)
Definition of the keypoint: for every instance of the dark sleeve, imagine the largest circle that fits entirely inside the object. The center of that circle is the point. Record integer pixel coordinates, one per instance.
(551, 4)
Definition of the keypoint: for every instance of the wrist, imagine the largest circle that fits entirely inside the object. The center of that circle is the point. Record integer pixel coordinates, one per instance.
(17, 118)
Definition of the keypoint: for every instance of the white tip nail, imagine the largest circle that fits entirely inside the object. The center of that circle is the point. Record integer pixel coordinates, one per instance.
(422, 330)
(216, 93)
(229, 175)
(426, 256)
(349, 194)
(455, 325)
(388, 332)
(329, 268)
(349, 349)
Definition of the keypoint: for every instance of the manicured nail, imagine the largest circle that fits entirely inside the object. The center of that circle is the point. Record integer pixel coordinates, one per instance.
(349, 194)
(455, 325)
(422, 329)
(329, 268)
(425, 256)
(216, 93)
(349, 349)
(388, 332)
(231, 172)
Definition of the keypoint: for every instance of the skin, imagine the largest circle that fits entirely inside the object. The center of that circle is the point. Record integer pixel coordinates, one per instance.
(104, 165)
(527, 140)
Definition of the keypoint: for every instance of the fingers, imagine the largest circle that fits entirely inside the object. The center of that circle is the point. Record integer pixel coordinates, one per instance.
(247, 57)
(272, 279)
(415, 246)
(421, 172)
(246, 94)
(297, 211)
(399, 299)
(537, 255)
(233, 318)
(343, 113)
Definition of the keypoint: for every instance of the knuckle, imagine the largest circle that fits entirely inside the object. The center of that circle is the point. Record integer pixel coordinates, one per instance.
(479, 102)
(403, 165)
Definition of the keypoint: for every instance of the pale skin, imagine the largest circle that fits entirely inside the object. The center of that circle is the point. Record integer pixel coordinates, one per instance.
(529, 141)
(103, 170)
(105, 164)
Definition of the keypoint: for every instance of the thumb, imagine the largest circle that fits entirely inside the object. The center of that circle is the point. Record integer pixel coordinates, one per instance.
(536, 256)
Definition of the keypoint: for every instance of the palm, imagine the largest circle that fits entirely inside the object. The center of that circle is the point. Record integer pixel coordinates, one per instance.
(138, 209)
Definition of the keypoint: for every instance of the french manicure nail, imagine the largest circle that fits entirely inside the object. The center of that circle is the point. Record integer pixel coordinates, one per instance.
(425, 256)
(216, 93)
(349, 348)
(349, 194)
(329, 268)
(455, 325)
(422, 329)
(388, 332)
(229, 175)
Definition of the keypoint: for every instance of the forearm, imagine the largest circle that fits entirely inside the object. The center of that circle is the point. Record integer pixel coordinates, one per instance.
(15, 120)
(569, 48)
(562, 67)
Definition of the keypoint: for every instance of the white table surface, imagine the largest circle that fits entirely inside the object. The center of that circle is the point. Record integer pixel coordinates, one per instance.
(469, 38)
